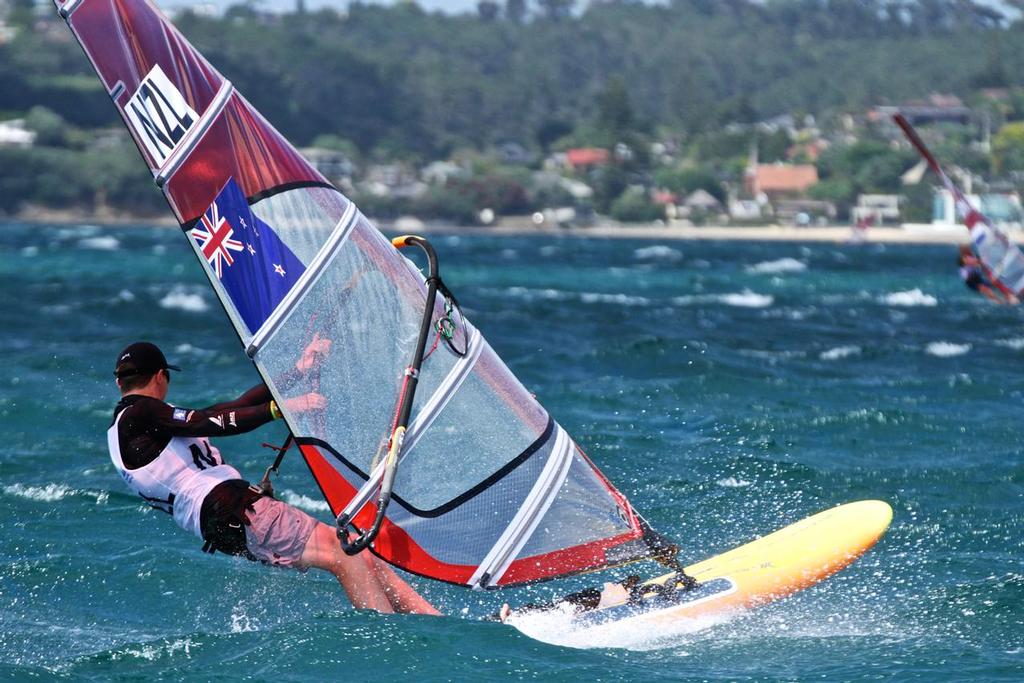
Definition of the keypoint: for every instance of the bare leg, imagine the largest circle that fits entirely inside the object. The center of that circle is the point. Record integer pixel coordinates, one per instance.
(402, 596)
(360, 576)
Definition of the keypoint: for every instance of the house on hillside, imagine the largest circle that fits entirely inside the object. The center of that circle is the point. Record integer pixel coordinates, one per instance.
(332, 164)
(513, 154)
(773, 181)
(585, 158)
(13, 133)
(876, 209)
(807, 151)
(935, 108)
(393, 180)
(438, 172)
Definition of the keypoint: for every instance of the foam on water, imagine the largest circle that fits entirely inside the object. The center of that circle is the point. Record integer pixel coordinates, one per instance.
(1015, 344)
(944, 349)
(657, 252)
(557, 628)
(621, 299)
(181, 299)
(100, 243)
(911, 297)
(304, 502)
(733, 483)
(782, 265)
(51, 493)
(747, 299)
(839, 352)
(744, 299)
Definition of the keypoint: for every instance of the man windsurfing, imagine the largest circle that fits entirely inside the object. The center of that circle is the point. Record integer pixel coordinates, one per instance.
(163, 453)
(973, 275)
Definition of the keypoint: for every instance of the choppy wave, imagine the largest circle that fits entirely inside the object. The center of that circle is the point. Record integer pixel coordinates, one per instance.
(744, 299)
(1016, 344)
(184, 300)
(658, 252)
(51, 493)
(157, 650)
(621, 299)
(839, 352)
(944, 349)
(782, 265)
(912, 297)
(733, 483)
(100, 243)
(304, 502)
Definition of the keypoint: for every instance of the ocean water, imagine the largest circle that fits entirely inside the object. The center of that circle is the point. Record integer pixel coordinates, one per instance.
(727, 389)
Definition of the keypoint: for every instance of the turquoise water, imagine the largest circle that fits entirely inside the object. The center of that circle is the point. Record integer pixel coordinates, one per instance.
(727, 389)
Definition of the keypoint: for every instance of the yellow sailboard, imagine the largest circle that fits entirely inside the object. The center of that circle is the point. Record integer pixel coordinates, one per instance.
(767, 569)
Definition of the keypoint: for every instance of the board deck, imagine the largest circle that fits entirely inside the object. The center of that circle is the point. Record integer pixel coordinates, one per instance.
(769, 568)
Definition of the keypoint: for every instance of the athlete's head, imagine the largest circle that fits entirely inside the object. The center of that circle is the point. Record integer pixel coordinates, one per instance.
(141, 364)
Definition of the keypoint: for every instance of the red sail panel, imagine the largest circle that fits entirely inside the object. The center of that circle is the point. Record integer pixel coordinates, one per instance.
(168, 96)
(392, 543)
(243, 146)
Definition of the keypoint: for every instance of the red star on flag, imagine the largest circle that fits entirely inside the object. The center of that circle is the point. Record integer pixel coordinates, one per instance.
(214, 236)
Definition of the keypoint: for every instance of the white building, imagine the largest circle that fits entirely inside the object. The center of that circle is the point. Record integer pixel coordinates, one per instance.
(13, 133)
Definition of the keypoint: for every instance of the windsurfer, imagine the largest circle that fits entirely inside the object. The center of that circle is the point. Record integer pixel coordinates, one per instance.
(163, 454)
(973, 275)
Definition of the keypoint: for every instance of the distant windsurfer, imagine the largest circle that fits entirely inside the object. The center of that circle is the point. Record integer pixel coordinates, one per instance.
(973, 275)
(163, 454)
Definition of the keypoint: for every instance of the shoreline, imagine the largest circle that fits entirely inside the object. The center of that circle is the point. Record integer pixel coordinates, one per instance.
(836, 234)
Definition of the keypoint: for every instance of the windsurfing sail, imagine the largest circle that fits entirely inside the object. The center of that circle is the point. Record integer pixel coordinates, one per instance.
(490, 491)
(1001, 259)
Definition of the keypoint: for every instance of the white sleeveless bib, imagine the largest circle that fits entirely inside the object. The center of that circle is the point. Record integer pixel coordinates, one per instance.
(178, 479)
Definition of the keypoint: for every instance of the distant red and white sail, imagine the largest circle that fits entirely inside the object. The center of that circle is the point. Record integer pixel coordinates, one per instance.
(491, 491)
(1002, 260)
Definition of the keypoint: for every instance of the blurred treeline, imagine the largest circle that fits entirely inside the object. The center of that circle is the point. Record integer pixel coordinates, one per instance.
(399, 83)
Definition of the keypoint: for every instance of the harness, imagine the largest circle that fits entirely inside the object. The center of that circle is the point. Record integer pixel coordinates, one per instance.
(223, 519)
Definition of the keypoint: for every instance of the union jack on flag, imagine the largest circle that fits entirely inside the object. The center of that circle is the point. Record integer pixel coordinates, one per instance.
(213, 232)
(256, 270)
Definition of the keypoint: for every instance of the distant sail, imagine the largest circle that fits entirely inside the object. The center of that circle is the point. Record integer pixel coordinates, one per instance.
(491, 491)
(1002, 260)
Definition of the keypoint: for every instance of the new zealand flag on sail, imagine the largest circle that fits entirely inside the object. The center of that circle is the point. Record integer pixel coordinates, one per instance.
(256, 268)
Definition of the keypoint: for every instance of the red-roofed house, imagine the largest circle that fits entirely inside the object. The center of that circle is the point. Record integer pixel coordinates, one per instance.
(582, 157)
(780, 179)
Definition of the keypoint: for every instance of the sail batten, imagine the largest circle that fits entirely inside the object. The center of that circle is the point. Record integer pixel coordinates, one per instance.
(490, 491)
(497, 561)
(195, 134)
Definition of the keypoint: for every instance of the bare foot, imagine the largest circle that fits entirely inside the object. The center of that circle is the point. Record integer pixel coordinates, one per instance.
(613, 594)
(504, 613)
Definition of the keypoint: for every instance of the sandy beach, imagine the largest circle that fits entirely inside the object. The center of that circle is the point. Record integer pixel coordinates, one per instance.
(838, 234)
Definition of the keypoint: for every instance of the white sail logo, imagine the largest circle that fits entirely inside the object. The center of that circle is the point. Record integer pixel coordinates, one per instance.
(159, 115)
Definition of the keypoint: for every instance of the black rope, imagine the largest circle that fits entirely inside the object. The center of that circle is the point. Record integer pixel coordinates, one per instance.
(265, 486)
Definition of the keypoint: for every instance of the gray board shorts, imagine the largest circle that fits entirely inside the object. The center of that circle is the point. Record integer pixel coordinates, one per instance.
(277, 533)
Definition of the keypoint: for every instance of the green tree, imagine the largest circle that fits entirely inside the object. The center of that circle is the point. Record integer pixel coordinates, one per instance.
(635, 206)
(1008, 148)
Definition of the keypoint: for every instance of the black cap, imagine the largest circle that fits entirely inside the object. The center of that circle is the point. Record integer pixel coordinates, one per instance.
(141, 358)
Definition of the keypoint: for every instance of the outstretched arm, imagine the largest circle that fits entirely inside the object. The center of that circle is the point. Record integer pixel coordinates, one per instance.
(213, 421)
(255, 396)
